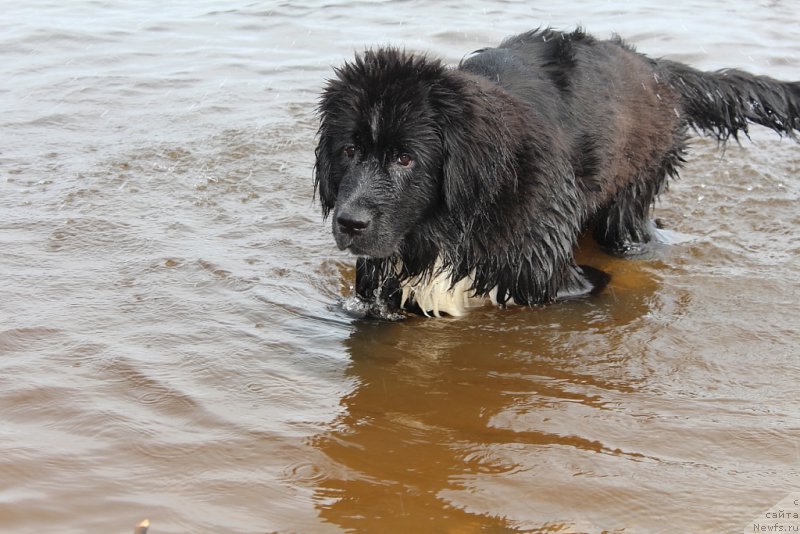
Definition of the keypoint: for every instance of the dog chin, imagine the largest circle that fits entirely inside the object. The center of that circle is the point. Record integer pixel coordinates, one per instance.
(358, 248)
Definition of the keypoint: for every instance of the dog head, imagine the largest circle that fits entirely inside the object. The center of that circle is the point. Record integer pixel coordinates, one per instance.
(401, 139)
(379, 158)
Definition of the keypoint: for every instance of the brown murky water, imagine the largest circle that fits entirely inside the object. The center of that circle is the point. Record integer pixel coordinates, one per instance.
(173, 346)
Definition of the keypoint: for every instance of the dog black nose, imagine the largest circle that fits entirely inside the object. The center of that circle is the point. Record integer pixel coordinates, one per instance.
(353, 222)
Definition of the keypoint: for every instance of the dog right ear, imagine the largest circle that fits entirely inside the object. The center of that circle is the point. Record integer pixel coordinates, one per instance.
(323, 173)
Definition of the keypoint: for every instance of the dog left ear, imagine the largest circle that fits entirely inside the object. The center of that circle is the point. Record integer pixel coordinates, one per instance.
(459, 171)
(477, 162)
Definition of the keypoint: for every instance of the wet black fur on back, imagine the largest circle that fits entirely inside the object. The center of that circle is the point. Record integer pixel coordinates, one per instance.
(498, 166)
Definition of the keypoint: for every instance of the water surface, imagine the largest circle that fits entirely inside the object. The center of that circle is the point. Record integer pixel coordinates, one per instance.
(172, 343)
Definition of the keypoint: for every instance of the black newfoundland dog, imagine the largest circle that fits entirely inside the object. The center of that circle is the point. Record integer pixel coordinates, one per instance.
(455, 187)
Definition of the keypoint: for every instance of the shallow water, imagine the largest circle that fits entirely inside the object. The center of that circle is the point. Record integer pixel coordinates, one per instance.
(172, 340)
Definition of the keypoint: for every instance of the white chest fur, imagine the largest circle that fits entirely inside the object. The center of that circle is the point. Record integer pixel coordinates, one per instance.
(435, 293)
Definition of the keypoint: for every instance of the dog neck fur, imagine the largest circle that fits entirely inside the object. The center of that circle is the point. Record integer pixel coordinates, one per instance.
(435, 293)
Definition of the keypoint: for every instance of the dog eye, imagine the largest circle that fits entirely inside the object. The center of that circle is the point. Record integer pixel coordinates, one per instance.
(350, 151)
(404, 160)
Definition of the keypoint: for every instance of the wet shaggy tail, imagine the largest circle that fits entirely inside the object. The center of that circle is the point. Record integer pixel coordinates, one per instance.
(722, 103)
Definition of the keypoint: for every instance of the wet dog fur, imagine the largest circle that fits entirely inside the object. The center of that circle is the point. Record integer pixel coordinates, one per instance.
(459, 185)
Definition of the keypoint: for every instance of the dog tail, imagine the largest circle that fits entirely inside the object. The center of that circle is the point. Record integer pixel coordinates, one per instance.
(722, 103)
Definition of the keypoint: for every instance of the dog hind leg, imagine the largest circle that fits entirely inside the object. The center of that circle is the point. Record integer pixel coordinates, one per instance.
(624, 226)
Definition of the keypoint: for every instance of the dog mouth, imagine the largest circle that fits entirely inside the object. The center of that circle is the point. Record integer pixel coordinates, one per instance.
(364, 245)
(358, 248)
(345, 242)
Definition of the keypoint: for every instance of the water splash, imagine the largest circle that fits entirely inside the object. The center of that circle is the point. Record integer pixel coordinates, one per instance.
(362, 309)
